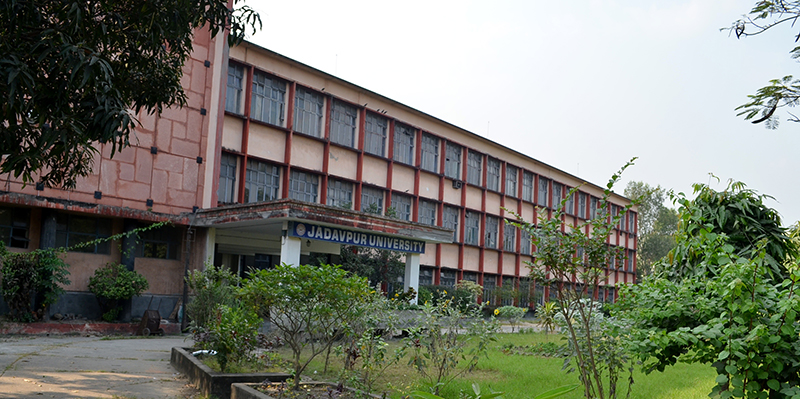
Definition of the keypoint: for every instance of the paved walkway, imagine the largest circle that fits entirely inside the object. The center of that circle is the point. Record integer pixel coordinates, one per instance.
(90, 367)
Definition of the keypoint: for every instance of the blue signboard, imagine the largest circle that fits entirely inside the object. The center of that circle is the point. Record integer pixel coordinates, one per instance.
(349, 237)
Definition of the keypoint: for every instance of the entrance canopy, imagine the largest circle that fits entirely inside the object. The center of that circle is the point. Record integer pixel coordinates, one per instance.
(289, 228)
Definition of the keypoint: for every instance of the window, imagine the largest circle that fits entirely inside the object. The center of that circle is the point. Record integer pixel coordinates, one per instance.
(474, 168)
(447, 278)
(268, 100)
(610, 294)
(509, 237)
(375, 135)
(631, 223)
(593, 208)
(468, 276)
(452, 161)
(582, 205)
(227, 178)
(372, 200)
(427, 212)
(340, 194)
(473, 228)
(72, 230)
(261, 182)
(430, 153)
(543, 186)
(425, 276)
(161, 243)
(511, 180)
(493, 174)
(489, 285)
(509, 284)
(303, 186)
(527, 186)
(631, 255)
(402, 206)
(14, 227)
(601, 294)
(450, 220)
(525, 242)
(570, 204)
(404, 144)
(233, 95)
(308, 112)
(491, 232)
(557, 188)
(343, 124)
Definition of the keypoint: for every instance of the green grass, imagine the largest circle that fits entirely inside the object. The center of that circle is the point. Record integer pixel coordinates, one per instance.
(526, 376)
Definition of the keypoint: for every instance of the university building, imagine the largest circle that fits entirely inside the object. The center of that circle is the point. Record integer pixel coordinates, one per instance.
(274, 161)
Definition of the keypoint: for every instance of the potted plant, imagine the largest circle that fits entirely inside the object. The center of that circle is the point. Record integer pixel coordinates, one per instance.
(113, 283)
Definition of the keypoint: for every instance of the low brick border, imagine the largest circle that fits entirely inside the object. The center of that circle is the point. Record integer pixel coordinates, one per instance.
(210, 382)
(247, 391)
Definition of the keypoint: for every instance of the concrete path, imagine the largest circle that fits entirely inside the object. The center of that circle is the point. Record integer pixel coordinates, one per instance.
(90, 367)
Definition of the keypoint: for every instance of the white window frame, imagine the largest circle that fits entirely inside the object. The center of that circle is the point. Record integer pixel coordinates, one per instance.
(512, 179)
(268, 103)
(340, 194)
(452, 160)
(308, 112)
(262, 181)
(492, 229)
(474, 168)
(235, 89)
(472, 228)
(344, 122)
(404, 136)
(303, 186)
(493, 174)
(375, 135)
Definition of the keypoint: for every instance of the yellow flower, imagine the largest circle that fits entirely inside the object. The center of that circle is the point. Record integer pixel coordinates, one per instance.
(496, 312)
(445, 292)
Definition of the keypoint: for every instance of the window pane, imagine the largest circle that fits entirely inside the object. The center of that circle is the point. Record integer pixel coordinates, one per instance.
(511, 180)
(404, 144)
(450, 220)
(491, 232)
(543, 189)
(375, 135)
(527, 186)
(582, 205)
(372, 200)
(340, 194)
(268, 100)
(262, 181)
(402, 206)
(474, 168)
(227, 178)
(303, 186)
(233, 94)
(493, 174)
(452, 161)
(473, 228)
(427, 212)
(308, 112)
(430, 153)
(343, 124)
(556, 201)
(509, 237)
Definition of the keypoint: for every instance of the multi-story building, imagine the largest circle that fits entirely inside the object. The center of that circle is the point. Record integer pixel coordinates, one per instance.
(273, 161)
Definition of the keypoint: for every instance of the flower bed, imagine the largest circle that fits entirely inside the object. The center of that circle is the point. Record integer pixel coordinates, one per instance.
(212, 383)
(309, 390)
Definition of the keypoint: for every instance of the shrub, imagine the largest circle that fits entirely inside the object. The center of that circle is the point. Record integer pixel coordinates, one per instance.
(511, 313)
(113, 283)
(308, 304)
(40, 273)
(233, 334)
(212, 287)
(440, 340)
(453, 296)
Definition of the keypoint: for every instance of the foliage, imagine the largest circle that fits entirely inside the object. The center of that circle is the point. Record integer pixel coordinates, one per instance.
(547, 315)
(561, 257)
(41, 273)
(73, 73)
(212, 287)
(511, 313)
(782, 92)
(308, 304)
(232, 334)
(453, 296)
(472, 287)
(448, 334)
(737, 212)
(656, 225)
(365, 341)
(742, 319)
(113, 283)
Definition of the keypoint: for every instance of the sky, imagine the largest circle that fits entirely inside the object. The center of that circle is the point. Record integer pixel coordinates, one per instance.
(582, 85)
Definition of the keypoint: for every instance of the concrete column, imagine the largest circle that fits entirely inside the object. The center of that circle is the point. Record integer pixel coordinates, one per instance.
(290, 250)
(412, 274)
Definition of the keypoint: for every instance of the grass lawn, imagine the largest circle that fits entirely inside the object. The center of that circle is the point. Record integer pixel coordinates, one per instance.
(525, 376)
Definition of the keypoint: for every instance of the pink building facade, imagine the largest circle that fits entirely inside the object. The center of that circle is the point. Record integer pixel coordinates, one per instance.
(274, 161)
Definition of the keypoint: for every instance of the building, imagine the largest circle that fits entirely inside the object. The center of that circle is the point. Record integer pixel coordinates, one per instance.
(272, 161)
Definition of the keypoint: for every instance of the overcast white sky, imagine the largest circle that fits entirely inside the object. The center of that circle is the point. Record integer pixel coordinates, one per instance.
(581, 85)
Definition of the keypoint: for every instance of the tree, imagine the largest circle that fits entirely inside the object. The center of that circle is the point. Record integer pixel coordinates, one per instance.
(718, 298)
(783, 92)
(656, 227)
(738, 213)
(75, 73)
(377, 265)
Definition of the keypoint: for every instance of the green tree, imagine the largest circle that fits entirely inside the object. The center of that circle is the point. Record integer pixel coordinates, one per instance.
(75, 73)
(656, 225)
(782, 92)
(377, 265)
(724, 297)
(741, 215)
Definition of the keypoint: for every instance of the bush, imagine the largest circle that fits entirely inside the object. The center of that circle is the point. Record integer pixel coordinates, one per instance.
(308, 304)
(233, 334)
(113, 283)
(511, 313)
(436, 294)
(40, 273)
(212, 287)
